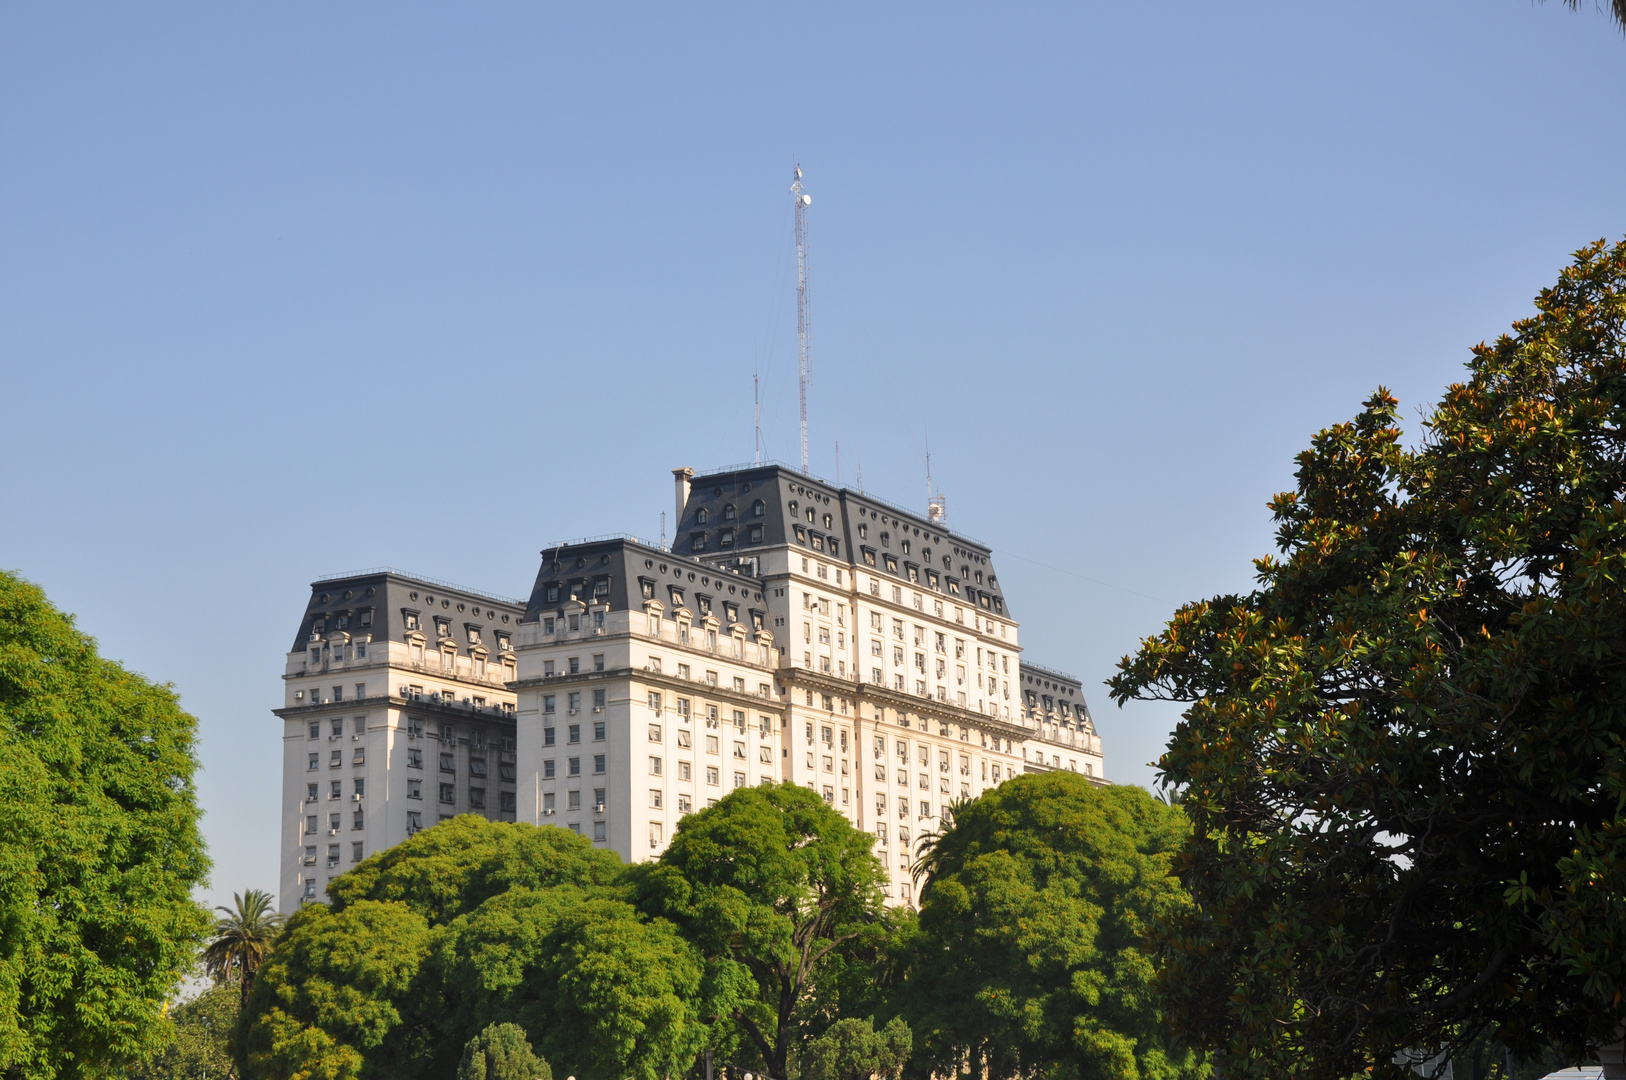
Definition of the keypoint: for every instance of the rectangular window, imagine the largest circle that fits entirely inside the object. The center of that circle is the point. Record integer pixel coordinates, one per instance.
(414, 820)
(448, 793)
(711, 775)
(547, 768)
(573, 733)
(655, 701)
(598, 731)
(655, 733)
(684, 771)
(598, 764)
(683, 739)
(506, 802)
(477, 798)
(548, 803)
(547, 703)
(573, 766)
(600, 831)
(654, 766)
(573, 800)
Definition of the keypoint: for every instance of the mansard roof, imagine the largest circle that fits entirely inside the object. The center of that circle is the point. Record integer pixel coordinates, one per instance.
(857, 522)
(376, 603)
(617, 570)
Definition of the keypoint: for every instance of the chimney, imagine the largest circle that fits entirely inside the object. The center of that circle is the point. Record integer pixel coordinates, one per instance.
(680, 480)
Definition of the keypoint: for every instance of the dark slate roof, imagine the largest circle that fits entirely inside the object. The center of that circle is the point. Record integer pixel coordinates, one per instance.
(855, 521)
(375, 601)
(1056, 684)
(617, 570)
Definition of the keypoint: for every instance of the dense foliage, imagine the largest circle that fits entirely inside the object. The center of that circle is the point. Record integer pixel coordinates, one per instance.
(99, 848)
(1032, 957)
(1405, 759)
(852, 1049)
(771, 884)
(199, 1043)
(501, 1052)
(466, 924)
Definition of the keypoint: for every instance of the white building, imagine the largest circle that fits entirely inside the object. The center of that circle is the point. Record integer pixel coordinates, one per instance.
(396, 714)
(795, 632)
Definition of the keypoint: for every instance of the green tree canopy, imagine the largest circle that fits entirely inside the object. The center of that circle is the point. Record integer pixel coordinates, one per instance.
(769, 883)
(99, 847)
(331, 993)
(1405, 757)
(199, 1044)
(456, 866)
(1032, 956)
(502, 1052)
(851, 1049)
(609, 993)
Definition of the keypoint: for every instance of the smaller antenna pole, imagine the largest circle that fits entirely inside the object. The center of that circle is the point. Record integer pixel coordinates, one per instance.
(803, 201)
(663, 530)
(756, 409)
(838, 463)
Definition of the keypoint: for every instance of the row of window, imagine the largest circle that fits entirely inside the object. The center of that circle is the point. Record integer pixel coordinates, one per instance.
(313, 695)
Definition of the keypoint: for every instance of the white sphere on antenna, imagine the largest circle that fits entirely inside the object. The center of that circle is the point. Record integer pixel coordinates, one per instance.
(807, 200)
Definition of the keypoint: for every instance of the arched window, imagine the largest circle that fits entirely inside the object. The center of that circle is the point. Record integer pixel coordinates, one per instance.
(701, 517)
(728, 512)
(757, 509)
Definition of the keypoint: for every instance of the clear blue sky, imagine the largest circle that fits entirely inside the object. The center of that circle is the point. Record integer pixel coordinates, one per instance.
(307, 288)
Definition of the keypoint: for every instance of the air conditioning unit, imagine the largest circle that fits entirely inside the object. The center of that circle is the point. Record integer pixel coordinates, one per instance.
(333, 831)
(332, 863)
(598, 708)
(598, 808)
(548, 813)
(357, 737)
(356, 797)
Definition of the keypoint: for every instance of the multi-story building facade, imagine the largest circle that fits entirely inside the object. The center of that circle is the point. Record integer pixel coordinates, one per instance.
(396, 714)
(795, 631)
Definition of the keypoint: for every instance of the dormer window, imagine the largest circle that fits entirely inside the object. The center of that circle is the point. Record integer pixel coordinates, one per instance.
(409, 619)
(705, 604)
(863, 531)
(697, 542)
(443, 628)
(828, 522)
(601, 589)
(757, 509)
(892, 563)
(676, 594)
(906, 547)
(647, 587)
(504, 642)
(753, 534)
(474, 634)
(728, 512)
(812, 519)
(801, 535)
(701, 517)
(367, 617)
(344, 622)
(869, 555)
(725, 538)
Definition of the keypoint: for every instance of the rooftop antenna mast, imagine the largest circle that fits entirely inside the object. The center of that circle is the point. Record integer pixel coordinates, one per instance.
(756, 409)
(803, 201)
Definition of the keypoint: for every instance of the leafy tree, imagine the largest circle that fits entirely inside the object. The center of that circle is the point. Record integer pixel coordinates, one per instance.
(242, 939)
(612, 994)
(1032, 956)
(453, 868)
(852, 1049)
(770, 883)
(502, 1052)
(99, 848)
(200, 1039)
(1405, 757)
(328, 997)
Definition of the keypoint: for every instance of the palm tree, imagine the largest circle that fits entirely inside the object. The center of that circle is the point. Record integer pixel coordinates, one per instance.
(1617, 9)
(242, 939)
